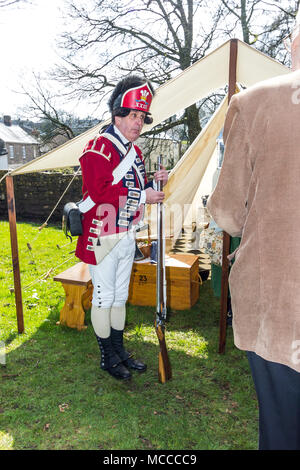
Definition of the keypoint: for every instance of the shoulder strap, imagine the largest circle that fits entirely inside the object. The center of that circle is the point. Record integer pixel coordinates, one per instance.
(125, 165)
(115, 141)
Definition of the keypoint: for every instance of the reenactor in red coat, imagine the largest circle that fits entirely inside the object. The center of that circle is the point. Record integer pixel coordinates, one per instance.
(115, 190)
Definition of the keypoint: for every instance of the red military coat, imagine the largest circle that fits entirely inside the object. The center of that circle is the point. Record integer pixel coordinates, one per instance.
(116, 205)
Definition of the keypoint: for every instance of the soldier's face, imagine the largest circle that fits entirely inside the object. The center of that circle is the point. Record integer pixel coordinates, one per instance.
(131, 126)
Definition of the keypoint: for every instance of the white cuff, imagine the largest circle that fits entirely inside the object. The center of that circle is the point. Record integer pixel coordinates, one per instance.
(143, 197)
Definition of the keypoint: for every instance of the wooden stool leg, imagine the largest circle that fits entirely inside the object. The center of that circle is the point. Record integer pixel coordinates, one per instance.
(72, 314)
(86, 299)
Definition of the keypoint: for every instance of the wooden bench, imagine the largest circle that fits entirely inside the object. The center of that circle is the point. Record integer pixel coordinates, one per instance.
(182, 287)
(78, 287)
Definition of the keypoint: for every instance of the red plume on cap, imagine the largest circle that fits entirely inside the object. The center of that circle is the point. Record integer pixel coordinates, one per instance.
(138, 98)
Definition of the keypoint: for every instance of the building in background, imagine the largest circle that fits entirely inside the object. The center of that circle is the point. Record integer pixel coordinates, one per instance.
(21, 147)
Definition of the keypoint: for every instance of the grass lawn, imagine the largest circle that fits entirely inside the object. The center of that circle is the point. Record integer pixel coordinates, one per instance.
(55, 396)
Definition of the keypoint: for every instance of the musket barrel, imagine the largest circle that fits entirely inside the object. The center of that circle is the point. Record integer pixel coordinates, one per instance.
(159, 246)
(164, 368)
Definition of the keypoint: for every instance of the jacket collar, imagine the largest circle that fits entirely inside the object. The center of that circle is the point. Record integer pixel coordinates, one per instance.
(112, 129)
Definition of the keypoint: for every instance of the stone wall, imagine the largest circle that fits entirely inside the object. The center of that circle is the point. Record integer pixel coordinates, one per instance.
(36, 194)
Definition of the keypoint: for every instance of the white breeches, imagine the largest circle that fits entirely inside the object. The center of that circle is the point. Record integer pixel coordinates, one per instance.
(111, 277)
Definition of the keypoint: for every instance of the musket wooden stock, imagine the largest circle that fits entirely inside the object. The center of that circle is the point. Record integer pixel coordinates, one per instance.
(164, 365)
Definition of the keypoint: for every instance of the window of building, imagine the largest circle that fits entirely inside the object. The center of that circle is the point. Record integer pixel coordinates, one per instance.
(24, 151)
(11, 151)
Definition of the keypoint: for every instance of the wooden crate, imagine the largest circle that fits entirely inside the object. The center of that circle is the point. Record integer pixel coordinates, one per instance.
(182, 282)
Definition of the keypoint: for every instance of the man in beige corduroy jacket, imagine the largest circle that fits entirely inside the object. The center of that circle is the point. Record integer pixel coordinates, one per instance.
(258, 198)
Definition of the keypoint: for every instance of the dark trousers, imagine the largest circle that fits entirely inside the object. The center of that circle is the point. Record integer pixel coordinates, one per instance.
(278, 392)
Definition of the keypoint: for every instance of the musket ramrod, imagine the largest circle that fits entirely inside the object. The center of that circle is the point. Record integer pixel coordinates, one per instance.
(164, 365)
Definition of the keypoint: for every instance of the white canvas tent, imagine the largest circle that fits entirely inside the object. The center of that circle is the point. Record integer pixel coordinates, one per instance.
(199, 80)
(233, 62)
(186, 176)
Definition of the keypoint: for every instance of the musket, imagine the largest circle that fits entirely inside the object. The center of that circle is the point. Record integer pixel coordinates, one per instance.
(164, 365)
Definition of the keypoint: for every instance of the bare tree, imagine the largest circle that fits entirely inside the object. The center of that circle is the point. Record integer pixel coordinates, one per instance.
(272, 42)
(8, 3)
(42, 106)
(155, 38)
(264, 24)
(55, 124)
(160, 38)
(107, 39)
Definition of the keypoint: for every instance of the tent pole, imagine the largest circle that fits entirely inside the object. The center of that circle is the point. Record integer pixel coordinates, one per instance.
(14, 251)
(226, 238)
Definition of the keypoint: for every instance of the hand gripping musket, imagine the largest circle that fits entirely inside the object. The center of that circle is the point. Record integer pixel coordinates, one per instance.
(164, 365)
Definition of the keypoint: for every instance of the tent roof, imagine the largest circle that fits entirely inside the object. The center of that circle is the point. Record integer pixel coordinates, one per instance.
(203, 77)
(185, 177)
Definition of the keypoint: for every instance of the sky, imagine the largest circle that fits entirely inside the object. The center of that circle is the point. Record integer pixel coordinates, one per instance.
(27, 38)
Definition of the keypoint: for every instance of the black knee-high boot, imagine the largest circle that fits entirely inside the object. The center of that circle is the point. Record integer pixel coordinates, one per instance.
(125, 356)
(110, 360)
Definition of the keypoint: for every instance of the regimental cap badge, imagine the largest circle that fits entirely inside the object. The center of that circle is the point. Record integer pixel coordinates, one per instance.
(138, 98)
